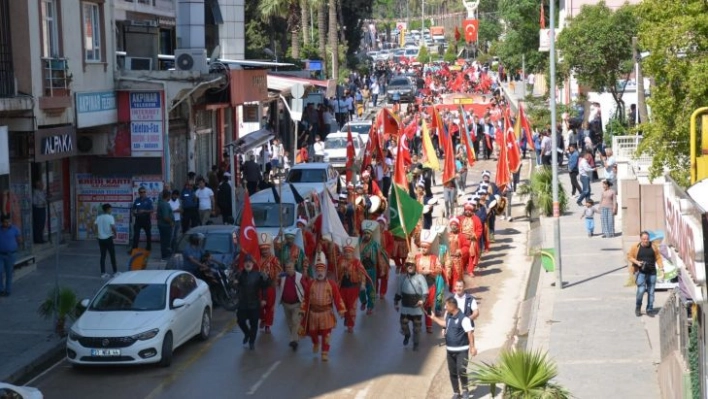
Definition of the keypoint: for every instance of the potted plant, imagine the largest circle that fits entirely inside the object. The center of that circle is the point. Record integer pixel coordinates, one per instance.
(62, 303)
(524, 375)
(540, 193)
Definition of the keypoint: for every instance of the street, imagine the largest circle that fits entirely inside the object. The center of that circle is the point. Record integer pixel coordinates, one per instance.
(369, 363)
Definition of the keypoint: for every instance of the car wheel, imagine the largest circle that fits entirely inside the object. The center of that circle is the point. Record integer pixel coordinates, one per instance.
(166, 359)
(205, 329)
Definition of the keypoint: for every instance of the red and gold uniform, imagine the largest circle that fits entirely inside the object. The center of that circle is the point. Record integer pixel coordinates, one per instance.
(309, 238)
(333, 255)
(429, 266)
(458, 248)
(387, 245)
(352, 279)
(269, 265)
(321, 299)
(471, 227)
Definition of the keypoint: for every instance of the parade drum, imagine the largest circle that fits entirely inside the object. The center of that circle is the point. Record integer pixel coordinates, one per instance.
(501, 206)
(375, 204)
(492, 205)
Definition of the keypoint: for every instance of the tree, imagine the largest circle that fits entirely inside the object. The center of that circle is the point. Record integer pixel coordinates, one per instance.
(676, 37)
(333, 39)
(597, 47)
(269, 9)
(521, 20)
(489, 26)
(423, 55)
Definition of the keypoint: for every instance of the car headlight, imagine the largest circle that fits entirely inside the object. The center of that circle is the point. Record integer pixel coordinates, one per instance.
(144, 336)
(73, 336)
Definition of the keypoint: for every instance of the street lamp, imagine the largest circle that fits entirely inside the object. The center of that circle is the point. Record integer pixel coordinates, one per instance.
(554, 150)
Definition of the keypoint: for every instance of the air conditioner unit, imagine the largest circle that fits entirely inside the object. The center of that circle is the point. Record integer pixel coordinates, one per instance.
(138, 64)
(191, 60)
(92, 143)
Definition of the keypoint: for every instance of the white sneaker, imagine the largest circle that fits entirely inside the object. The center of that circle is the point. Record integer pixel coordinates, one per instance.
(105, 276)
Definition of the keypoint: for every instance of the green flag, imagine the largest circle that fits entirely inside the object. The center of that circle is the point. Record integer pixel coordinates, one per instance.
(404, 212)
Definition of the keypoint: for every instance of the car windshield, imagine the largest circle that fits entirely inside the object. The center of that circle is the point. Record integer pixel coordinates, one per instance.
(307, 176)
(399, 82)
(359, 129)
(130, 297)
(411, 51)
(338, 143)
(266, 214)
(399, 52)
(218, 243)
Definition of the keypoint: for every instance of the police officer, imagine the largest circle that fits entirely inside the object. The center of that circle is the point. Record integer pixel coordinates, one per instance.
(190, 204)
(142, 209)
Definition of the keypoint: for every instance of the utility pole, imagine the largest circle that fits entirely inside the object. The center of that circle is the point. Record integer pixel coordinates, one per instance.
(642, 112)
(554, 151)
(422, 18)
(523, 75)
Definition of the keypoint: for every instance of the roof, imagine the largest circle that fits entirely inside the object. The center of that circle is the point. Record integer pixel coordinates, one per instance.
(284, 83)
(252, 140)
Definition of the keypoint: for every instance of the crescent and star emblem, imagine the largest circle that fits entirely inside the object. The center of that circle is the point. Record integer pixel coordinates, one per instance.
(246, 230)
(403, 143)
(394, 213)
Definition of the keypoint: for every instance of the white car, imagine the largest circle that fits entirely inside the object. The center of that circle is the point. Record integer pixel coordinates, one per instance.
(308, 177)
(360, 128)
(140, 317)
(10, 391)
(336, 149)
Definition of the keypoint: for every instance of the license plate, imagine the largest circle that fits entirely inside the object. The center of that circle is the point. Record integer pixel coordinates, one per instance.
(105, 352)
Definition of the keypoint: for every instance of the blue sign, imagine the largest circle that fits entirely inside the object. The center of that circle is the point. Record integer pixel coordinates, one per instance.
(315, 65)
(145, 99)
(96, 108)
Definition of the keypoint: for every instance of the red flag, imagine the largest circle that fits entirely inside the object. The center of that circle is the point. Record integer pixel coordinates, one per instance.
(368, 151)
(513, 150)
(351, 154)
(439, 127)
(449, 170)
(399, 170)
(502, 177)
(543, 17)
(247, 234)
(471, 27)
(375, 188)
(403, 150)
(526, 126)
(457, 33)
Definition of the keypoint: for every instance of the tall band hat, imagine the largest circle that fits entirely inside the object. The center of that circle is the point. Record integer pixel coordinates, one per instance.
(410, 259)
(429, 238)
(486, 173)
(454, 220)
(351, 245)
(265, 241)
(297, 234)
(320, 261)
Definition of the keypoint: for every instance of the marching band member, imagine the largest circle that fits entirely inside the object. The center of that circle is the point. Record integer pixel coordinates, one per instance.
(270, 266)
(457, 253)
(352, 281)
(375, 262)
(387, 245)
(428, 264)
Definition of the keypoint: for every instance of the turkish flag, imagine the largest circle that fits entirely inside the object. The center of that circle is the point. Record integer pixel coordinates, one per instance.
(404, 152)
(471, 27)
(247, 234)
(350, 154)
(449, 169)
(399, 170)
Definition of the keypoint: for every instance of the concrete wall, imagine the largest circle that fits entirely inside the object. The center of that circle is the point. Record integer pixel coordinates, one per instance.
(232, 35)
(24, 23)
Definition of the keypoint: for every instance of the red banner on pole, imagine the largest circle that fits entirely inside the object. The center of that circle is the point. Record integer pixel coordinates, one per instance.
(471, 27)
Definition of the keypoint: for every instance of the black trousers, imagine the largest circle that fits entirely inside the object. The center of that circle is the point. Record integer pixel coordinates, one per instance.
(457, 366)
(248, 322)
(574, 183)
(386, 185)
(39, 220)
(252, 187)
(190, 218)
(140, 225)
(106, 246)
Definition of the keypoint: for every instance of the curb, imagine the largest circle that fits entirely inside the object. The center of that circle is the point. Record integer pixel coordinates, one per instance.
(43, 356)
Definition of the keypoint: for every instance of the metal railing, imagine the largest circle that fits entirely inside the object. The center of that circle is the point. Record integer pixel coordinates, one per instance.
(56, 77)
(624, 149)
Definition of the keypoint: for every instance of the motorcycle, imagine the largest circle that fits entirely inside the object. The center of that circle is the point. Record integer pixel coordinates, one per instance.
(222, 292)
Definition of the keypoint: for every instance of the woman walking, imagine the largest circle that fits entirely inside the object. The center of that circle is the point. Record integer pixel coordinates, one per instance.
(608, 209)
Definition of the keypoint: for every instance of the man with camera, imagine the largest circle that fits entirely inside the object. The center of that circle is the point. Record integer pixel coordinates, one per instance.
(644, 258)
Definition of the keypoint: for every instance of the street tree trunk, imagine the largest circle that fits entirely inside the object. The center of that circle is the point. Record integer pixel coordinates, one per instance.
(322, 29)
(295, 43)
(305, 18)
(333, 38)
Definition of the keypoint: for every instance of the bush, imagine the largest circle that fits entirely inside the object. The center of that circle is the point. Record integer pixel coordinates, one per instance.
(423, 55)
(540, 193)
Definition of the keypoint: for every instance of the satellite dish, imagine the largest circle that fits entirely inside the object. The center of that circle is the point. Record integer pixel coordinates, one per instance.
(185, 62)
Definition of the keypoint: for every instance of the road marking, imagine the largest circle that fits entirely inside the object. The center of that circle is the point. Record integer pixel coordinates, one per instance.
(264, 377)
(43, 373)
(182, 368)
(362, 394)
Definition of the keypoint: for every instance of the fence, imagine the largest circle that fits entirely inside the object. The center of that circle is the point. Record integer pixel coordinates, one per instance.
(624, 149)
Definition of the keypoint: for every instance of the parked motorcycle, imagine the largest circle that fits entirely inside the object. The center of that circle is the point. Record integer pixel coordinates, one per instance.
(222, 293)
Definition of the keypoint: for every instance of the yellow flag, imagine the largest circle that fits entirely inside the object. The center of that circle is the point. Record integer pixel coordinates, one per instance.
(430, 159)
(517, 127)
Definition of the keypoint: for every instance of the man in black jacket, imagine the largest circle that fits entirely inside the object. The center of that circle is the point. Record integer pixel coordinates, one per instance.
(252, 286)
(223, 198)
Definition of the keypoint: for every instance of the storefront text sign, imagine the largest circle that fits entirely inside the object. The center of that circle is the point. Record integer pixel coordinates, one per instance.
(54, 143)
(146, 123)
(96, 108)
(248, 86)
(685, 235)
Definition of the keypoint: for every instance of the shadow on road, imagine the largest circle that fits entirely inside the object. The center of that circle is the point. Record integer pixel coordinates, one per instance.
(593, 277)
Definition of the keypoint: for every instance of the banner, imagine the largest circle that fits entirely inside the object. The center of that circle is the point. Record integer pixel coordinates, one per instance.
(471, 28)
(91, 193)
(146, 123)
(544, 39)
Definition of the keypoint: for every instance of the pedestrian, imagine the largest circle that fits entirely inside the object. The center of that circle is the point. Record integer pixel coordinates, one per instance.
(251, 174)
(411, 293)
(276, 157)
(270, 266)
(252, 286)
(39, 212)
(644, 258)
(610, 167)
(546, 149)
(466, 301)
(223, 199)
(176, 206)
(291, 295)
(608, 209)
(459, 341)
(585, 171)
(165, 224)
(319, 147)
(205, 195)
(573, 161)
(10, 239)
(142, 210)
(105, 231)
(375, 90)
(321, 299)
(450, 194)
(190, 204)
(213, 177)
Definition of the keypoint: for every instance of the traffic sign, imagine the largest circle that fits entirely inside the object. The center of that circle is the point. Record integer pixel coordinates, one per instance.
(401, 26)
(296, 109)
(298, 90)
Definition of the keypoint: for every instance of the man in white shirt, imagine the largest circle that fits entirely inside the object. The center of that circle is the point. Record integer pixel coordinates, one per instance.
(585, 173)
(105, 231)
(206, 201)
(176, 206)
(546, 149)
(319, 147)
(467, 303)
(276, 154)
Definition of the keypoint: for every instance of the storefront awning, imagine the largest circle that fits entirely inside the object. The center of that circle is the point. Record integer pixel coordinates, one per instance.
(284, 84)
(253, 140)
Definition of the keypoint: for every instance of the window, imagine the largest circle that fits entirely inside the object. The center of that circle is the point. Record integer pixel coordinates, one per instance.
(92, 32)
(50, 29)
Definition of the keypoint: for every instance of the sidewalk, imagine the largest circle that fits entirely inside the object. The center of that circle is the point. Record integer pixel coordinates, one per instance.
(589, 328)
(28, 342)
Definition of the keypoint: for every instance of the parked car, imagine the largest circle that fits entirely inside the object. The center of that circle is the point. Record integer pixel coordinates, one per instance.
(308, 177)
(360, 128)
(404, 87)
(411, 54)
(217, 239)
(140, 317)
(336, 149)
(9, 391)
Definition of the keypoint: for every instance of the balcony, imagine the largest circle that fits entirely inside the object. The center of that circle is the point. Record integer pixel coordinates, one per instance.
(56, 79)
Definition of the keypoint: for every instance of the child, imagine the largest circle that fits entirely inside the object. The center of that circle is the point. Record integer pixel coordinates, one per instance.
(589, 215)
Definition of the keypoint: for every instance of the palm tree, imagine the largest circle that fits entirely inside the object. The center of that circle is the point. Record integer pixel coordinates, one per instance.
(322, 28)
(305, 18)
(525, 375)
(290, 8)
(333, 38)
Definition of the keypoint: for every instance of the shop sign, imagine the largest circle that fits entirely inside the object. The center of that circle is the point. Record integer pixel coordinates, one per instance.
(685, 235)
(248, 86)
(95, 109)
(146, 123)
(94, 191)
(54, 143)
